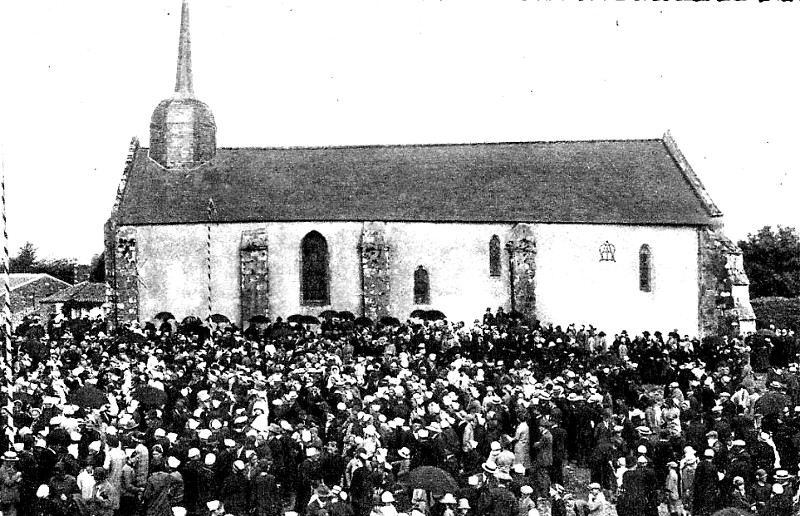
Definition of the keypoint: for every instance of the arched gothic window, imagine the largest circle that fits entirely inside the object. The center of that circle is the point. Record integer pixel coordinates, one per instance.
(314, 269)
(422, 287)
(494, 256)
(645, 269)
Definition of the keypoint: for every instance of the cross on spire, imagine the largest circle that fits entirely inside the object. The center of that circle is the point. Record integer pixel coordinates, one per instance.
(183, 77)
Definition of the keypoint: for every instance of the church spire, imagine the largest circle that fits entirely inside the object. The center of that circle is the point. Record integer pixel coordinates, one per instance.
(183, 134)
(183, 77)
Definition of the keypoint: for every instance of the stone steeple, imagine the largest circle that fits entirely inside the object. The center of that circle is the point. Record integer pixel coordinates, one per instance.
(183, 77)
(183, 133)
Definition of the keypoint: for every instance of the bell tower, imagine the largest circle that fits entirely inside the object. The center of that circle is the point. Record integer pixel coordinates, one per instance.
(183, 134)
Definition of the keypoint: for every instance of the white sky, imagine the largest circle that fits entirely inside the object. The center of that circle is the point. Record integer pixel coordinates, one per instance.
(80, 78)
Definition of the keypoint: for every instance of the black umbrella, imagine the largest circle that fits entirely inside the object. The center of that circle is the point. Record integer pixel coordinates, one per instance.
(309, 319)
(88, 396)
(296, 318)
(418, 314)
(346, 316)
(219, 319)
(434, 315)
(770, 403)
(259, 319)
(328, 314)
(388, 320)
(150, 396)
(191, 321)
(363, 321)
(432, 479)
(164, 316)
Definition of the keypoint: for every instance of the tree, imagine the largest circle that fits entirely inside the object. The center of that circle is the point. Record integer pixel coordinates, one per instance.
(98, 268)
(25, 260)
(772, 262)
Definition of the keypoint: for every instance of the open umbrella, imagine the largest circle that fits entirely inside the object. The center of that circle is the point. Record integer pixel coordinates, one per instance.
(308, 319)
(770, 403)
(220, 319)
(434, 315)
(295, 318)
(164, 316)
(346, 316)
(432, 479)
(191, 321)
(363, 321)
(418, 314)
(149, 396)
(328, 314)
(388, 320)
(88, 396)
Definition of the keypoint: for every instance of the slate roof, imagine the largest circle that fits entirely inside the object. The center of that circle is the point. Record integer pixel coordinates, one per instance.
(20, 279)
(83, 292)
(602, 182)
(17, 279)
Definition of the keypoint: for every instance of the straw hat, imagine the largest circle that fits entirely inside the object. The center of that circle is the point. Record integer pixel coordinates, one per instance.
(448, 498)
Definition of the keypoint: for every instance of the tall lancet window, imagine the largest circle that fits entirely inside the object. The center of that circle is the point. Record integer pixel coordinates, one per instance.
(494, 256)
(422, 287)
(314, 270)
(645, 269)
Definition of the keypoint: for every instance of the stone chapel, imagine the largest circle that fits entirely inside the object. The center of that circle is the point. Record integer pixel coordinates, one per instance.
(619, 234)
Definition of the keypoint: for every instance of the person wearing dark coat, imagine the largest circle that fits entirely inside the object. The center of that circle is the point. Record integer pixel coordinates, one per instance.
(663, 453)
(706, 486)
(331, 465)
(559, 452)
(362, 488)
(234, 490)
(309, 475)
(638, 485)
(779, 503)
(498, 500)
(265, 498)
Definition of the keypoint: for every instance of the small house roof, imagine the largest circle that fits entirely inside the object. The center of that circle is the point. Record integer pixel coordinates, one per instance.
(83, 292)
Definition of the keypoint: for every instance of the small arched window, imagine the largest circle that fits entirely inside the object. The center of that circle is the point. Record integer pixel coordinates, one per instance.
(645, 269)
(494, 256)
(314, 269)
(422, 287)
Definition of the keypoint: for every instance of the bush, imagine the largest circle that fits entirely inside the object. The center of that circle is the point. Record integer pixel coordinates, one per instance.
(783, 312)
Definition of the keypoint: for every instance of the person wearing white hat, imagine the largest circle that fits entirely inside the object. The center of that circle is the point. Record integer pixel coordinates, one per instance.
(387, 508)
(215, 508)
(525, 502)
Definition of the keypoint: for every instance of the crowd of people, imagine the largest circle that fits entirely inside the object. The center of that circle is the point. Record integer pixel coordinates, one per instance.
(425, 418)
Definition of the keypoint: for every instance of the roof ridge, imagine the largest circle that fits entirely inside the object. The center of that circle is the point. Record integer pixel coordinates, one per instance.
(462, 144)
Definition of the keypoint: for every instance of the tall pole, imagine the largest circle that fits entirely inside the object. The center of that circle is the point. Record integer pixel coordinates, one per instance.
(510, 249)
(8, 346)
(212, 211)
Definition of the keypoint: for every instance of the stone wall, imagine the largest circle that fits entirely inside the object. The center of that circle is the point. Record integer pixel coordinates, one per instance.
(724, 299)
(375, 271)
(254, 262)
(126, 280)
(521, 248)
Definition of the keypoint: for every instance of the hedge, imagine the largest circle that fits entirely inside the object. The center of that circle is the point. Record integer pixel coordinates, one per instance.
(783, 312)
